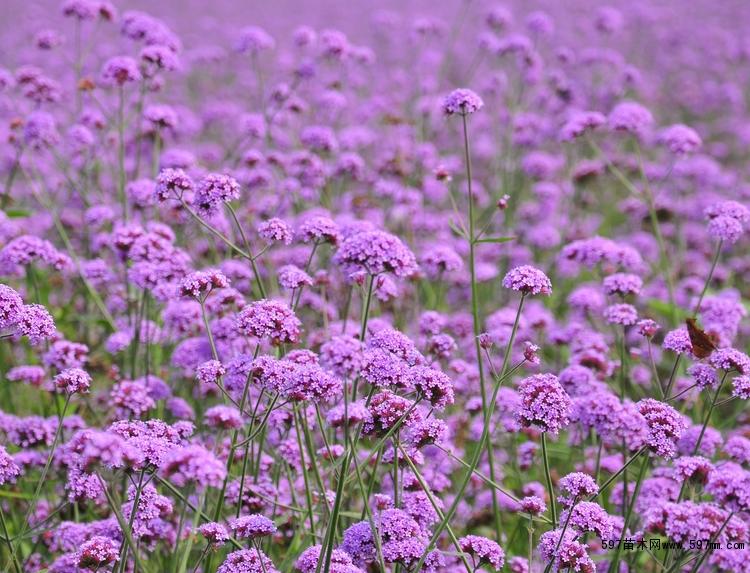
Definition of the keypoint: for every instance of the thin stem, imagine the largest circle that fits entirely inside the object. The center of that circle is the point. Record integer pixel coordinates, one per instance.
(6, 537)
(363, 325)
(613, 477)
(614, 564)
(436, 507)
(710, 276)
(476, 319)
(548, 477)
(43, 477)
(479, 448)
(708, 414)
(243, 236)
(121, 152)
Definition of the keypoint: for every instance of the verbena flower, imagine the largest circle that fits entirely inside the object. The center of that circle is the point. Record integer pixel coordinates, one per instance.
(544, 403)
(528, 280)
(463, 102)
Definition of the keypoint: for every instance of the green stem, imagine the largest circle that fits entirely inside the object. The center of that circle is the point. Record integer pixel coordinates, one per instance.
(714, 262)
(477, 321)
(436, 507)
(708, 414)
(121, 152)
(43, 477)
(13, 556)
(614, 476)
(614, 564)
(479, 448)
(305, 477)
(363, 325)
(548, 477)
(243, 236)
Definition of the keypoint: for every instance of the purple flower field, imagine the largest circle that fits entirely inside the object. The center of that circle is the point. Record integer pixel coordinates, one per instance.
(374, 286)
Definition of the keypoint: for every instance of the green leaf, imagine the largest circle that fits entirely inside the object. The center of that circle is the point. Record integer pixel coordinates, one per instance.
(496, 239)
(456, 229)
(17, 213)
(666, 309)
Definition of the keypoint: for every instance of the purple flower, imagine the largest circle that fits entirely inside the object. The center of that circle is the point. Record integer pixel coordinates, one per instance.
(729, 484)
(462, 101)
(254, 40)
(28, 249)
(665, 426)
(624, 314)
(173, 183)
(275, 231)
(727, 220)
(40, 131)
(9, 471)
(730, 359)
(73, 381)
(199, 284)
(358, 542)
(210, 372)
(193, 464)
(599, 250)
(342, 355)
(483, 551)
(439, 260)
(528, 280)
(680, 139)
(386, 410)
(738, 448)
(215, 533)
(544, 403)
(376, 252)
(35, 322)
(309, 382)
(533, 505)
(704, 375)
(318, 229)
(270, 320)
(580, 123)
(565, 553)
(252, 526)
(120, 70)
(11, 304)
(678, 341)
(247, 561)
(576, 486)
(213, 190)
(630, 117)
(694, 468)
(131, 398)
(292, 277)
(622, 284)
(647, 327)
(587, 516)
(741, 387)
(433, 385)
(97, 552)
(223, 417)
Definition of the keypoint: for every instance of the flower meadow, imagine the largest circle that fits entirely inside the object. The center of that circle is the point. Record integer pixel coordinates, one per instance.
(447, 287)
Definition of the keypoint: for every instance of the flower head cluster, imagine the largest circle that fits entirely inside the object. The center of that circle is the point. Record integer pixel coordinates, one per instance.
(269, 320)
(544, 403)
(665, 426)
(528, 280)
(376, 252)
